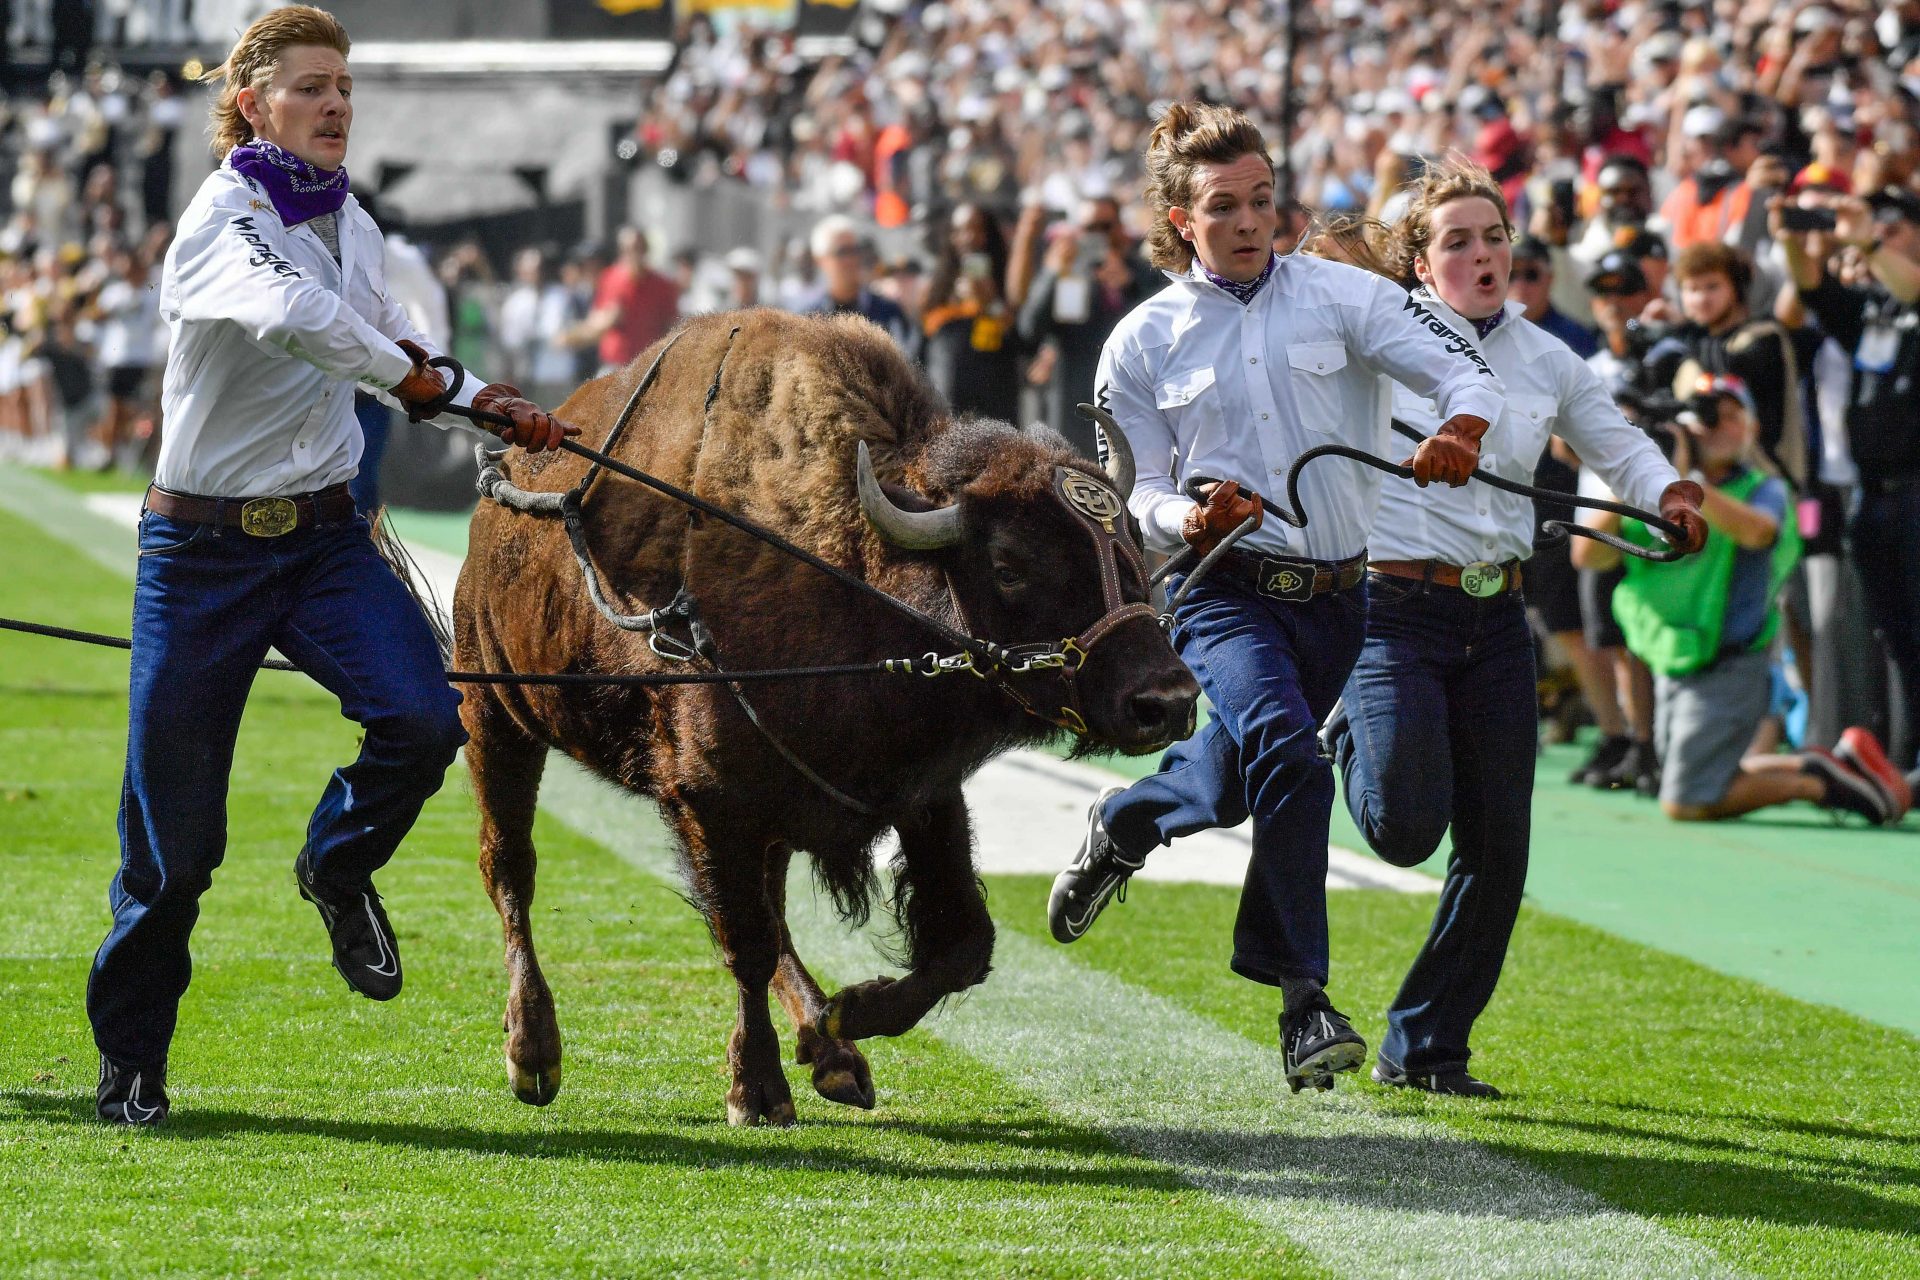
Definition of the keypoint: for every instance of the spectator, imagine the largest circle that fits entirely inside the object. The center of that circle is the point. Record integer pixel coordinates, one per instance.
(125, 311)
(534, 319)
(971, 344)
(1532, 288)
(1624, 198)
(1712, 203)
(1719, 336)
(633, 305)
(1878, 323)
(1093, 276)
(842, 259)
(1704, 624)
(743, 280)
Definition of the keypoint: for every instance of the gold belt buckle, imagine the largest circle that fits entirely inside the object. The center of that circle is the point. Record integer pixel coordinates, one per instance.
(1482, 579)
(269, 517)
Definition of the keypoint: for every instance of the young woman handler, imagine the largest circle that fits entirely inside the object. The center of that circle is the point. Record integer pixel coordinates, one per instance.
(274, 292)
(1438, 724)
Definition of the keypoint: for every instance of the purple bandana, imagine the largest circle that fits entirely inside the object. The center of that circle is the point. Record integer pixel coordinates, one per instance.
(299, 190)
(1241, 293)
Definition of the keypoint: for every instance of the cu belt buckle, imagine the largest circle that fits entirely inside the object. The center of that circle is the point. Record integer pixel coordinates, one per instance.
(1482, 579)
(269, 517)
(1286, 580)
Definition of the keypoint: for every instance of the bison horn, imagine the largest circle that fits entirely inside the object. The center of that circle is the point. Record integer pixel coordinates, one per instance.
(1119, 452)
(914, 530)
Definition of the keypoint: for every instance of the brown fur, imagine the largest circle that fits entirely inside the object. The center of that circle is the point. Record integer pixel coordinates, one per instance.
(796, 395)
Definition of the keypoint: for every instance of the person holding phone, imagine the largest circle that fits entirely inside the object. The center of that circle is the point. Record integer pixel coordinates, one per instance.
(1439, 723)
(972, 350)
(1243, 362)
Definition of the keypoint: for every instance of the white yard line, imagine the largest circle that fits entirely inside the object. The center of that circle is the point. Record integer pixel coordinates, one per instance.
(1370, 1193)
(1029, 808)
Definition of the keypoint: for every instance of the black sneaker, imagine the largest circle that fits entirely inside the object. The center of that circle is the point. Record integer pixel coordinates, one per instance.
(131, 1095)
(1096, 874)
(1638, 770)
(1317, 1043)
(364, 949)
(1606, 755)
(1847, 791)
(1457, 1084)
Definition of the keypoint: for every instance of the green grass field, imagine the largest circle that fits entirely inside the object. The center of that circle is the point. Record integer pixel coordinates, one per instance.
(1109, 1109)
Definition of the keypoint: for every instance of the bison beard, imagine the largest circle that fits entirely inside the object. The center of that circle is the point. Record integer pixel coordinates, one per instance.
(778, 444)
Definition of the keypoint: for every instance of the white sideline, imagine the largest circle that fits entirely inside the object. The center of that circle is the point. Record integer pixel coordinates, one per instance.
(1370, 1192)
(1029, 809)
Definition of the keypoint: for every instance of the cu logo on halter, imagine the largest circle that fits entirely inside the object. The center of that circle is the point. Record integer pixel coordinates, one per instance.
(1092, 497)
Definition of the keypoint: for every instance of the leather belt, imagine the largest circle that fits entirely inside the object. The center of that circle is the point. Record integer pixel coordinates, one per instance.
(1279, 578)
(259, 517)
(1482, 579)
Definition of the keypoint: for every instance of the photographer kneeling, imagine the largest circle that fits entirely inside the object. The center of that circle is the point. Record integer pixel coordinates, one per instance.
(1704, 625)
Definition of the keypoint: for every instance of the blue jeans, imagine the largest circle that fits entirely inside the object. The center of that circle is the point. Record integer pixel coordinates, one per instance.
(375, 421)
(207, 603)
(1272, 670)
(1439, 727)
(1885, 541)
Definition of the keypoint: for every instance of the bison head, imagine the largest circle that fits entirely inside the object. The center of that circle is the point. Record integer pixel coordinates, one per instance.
(1017, 521)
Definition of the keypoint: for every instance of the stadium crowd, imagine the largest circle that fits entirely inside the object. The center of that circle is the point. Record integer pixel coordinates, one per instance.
(1722, 189)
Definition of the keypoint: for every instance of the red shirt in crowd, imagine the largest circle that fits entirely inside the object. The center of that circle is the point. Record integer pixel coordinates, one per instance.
(648, 304)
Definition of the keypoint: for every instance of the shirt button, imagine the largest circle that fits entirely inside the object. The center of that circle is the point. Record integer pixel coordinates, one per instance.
(1263, 417)
(1253, 359)
(1322, 365)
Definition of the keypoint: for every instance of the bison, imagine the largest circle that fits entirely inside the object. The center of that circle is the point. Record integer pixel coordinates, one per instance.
(993, 530)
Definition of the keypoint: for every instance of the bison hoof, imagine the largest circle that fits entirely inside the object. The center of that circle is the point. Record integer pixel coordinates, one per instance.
(536, 1087)
(749, 1107)
(841, 1074)
(843, 1018)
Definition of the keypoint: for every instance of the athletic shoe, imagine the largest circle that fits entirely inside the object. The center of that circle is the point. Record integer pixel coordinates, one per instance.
(1317, 1042)
(1456, 1084)
(1638, 770)
(131, 1095)
(1860, 751)
(1607, 754)
(1847, 791)
(365, 951)
(1097, 873)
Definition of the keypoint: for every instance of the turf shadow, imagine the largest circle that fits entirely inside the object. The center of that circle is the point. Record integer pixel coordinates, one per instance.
(678, 1145)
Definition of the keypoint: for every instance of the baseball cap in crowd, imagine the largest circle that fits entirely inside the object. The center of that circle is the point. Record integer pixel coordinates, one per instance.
(1529, 249)
(1617, 272)
(1703, 121)
(1709, 387)
(1641, 243)
(743, 259)
(1820, 177)
(1896, 200)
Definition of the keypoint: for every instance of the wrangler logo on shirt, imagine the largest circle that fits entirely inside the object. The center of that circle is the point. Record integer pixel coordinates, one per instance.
(1456, 345)
(267, 258)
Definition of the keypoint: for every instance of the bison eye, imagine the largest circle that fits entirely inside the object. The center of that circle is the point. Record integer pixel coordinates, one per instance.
(1007, 577)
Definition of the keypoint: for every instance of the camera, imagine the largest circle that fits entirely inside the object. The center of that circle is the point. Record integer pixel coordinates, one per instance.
(1561, 192)
(1795, 218)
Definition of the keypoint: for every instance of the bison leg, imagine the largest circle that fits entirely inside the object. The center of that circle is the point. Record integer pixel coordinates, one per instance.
(840, 1071)
(944, 915)
(505, 765)
(730, 877)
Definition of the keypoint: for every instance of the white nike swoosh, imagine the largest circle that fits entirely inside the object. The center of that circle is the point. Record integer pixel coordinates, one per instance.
(389, 962)
(136, 1111)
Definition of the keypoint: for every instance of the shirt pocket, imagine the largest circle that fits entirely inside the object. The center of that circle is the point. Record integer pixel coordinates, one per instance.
(1189, 400)
(1526, 422)
(1313, 374)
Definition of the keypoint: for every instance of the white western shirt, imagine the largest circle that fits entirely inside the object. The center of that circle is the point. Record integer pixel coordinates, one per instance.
(269, 337)
(1202, 385)
(1550, 391)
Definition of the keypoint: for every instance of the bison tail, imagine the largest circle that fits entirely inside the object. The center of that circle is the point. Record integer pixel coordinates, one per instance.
(414, 579)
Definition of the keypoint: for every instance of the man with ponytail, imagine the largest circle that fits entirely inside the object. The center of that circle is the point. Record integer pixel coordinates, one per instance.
(1241, 364)
(274, 293)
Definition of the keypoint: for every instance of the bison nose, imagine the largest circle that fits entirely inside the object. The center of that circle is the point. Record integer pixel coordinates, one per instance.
(1163, 714)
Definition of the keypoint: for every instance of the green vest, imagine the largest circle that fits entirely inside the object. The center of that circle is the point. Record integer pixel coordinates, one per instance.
(1671, 613)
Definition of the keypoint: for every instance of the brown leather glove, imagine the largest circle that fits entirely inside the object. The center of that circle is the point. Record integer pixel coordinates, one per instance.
(421, 385)
(1219, 515)
(533, 429)
(1680, 504)
(1449, 454)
